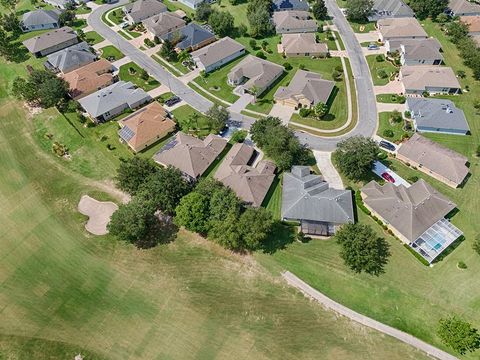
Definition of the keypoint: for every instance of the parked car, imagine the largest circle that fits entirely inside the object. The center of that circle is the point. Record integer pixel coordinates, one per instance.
(125, 25)
(373, 47)
(386, 145)
(172, 101)
(388, 177)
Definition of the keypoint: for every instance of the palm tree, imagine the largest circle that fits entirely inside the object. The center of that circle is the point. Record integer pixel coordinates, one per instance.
(183, 56)
(254, 91)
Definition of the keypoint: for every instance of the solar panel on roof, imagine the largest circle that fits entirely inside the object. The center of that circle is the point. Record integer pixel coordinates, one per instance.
(126, 133)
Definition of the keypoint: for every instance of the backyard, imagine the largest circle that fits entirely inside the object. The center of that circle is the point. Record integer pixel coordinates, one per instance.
(381, 70)
(132, 72)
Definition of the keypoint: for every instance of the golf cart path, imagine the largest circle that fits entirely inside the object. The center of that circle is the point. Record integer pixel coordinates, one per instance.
(328, 303)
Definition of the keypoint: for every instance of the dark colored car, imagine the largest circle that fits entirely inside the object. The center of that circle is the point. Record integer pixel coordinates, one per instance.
(386, 145)
(388, 177)
(172, 101)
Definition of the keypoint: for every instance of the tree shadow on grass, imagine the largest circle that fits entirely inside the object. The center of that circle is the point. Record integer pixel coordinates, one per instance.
(18, 53)
(281, 235)
(163, 231)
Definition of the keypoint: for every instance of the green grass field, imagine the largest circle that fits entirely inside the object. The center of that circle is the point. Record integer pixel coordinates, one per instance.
(115, 16)
(390, 99)
(376, 66)
(182, 115)
(397, 128)
(125, 75)
(111, 51)
(92, 37)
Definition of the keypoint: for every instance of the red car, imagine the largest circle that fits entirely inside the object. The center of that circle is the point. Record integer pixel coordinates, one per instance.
(388, 177)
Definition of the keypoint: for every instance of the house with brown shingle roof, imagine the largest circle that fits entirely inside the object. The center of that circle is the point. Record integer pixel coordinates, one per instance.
(463, 8)
(473, 23)
(90, 78)
(435, 160)
(191, 155)
(251, 184)
(304, 44)
(421, 52)
(219, 53)
(140, 10)
(294, 22)
(145, 126)
(163, 23)
(400, 29)
(416, 215)
(306, 89)
(51, 41)
(432, 79)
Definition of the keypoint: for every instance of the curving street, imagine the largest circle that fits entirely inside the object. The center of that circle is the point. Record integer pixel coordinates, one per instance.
(367, 111)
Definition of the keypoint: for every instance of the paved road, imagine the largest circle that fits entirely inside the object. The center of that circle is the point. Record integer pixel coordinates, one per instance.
(191, 97)
(308, 291)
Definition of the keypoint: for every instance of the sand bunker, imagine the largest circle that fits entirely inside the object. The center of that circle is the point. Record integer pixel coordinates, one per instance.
(98, 212)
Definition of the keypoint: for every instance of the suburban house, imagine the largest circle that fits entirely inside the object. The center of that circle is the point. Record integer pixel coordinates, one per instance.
(473, 23)
(399, 29)
(304, 44)
(90, 78)
(294, 22)
(308, 199)
(237, 172)
(253, 73)
(59, 4)
(435, 160)
(191, 155)
(383, 9)
(145, 126)
(51, 41)
(285, 5)
(431, 79)
(219, 53)
(140, 10)
(306, 89)
(113, 100)
(40, 20)
(421, 52)
(190, 37)
(192, 4)
(437, 115)
(163, 23)
(416, 215)
(70, 58)
(463, 8)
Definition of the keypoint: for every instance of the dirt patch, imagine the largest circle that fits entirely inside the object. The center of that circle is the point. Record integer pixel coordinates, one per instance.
(98, 212)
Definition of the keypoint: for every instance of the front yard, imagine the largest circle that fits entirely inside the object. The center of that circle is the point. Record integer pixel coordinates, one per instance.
(92, 38)
(111, 53)
(392, 130)
(191, 121)
(131, 72)
(381, 71)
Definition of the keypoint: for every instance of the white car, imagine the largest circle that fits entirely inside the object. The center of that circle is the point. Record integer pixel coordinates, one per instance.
(125, 25)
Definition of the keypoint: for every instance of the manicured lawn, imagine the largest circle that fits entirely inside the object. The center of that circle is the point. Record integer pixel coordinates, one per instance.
(175, 5)
(79, 24)
(173, 66)
(183, 116)
(81, 10)
(116, 16)
(161, 99)
(239, 11)
(112, 52)
(386, 124)
(390, 99)
(126, 75)
(92, 37)
(273, 199)
(330, 41)
(362, 27)
(377, 66)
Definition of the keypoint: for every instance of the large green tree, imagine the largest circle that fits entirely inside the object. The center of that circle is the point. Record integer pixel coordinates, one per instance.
(164, 189)
(362, 249)
(132, 173)
(458, 334)
(259, 17)
(355, 156)
(319, 10)
(359, 10)
(221, 23)
(193, 213)
(217, 118)
(426, 8)
(255, 225)
(10, 22)
(203, 11)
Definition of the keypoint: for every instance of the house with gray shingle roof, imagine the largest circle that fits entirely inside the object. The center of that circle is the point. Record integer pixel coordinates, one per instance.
(306, 89)
(219, 53)
(390, 9)
(51, 41)
(285, 5)
(190, 37)
(163, 23)
(463, 8)
(113, 100)
(40, 20)
(400, 29)
(416, 215)
(307, 198)
(60, 4)
(421, 52)
(254, 73)
(140, 10)
(293, 21)
(70, 58)
(192, 4)
(249, 183)
(437, 115)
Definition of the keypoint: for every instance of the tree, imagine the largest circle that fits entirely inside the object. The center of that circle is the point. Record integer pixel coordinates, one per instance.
(355, 156)
(320, 109)
(10, 22)
(193, 212)
(132, 222)
(203, 12)
(218, 117)
(359, 10)
(221, 22)
(42, 88)
(260, 23)
(5, 46)
(66, 18)
(254, 225)
(144, 74)
(458, 334)
(184, 55)
(319, 10)
(9, 4)
(239, 136)
(476, 243)
(426, 8)
(396, 116)
(457, 31)
(163, 190)
(362, 249)
(133, 173)
(167, 51)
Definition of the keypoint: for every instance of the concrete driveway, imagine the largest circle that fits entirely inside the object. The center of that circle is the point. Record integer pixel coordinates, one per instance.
(283, 112)
(371, 36)
(329, 172)
(241, 103)
(393, 87)
(379, 169)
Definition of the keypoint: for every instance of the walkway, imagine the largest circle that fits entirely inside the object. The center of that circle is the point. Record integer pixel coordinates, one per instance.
(241, 103)
(329, 172)
(328, 303)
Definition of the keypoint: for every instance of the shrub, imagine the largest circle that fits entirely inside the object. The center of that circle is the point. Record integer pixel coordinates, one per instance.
(301, 67)
(412, 179)
(401, 99)
(239, 136)
(476, 244)
(382, 74)
(380, 58)
(382, 155)
(156, 40)
(337, 76)
(388, 133)
(461, 265)
(304, 112)
(261, 55)
(59, 149)
(253, 44)
(407, 114)
(287, 66)
(339, 68)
